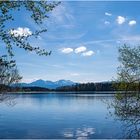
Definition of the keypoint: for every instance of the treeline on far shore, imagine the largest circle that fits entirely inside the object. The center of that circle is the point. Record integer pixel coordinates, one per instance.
(103, 86)
(4, 88)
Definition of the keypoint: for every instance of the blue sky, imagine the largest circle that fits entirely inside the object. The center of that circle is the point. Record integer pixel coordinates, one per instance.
(84, 38)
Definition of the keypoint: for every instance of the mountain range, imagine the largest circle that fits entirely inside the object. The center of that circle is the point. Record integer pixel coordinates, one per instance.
(47, 84)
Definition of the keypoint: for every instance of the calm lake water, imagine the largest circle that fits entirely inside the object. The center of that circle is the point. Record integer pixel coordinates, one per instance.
(59, 116)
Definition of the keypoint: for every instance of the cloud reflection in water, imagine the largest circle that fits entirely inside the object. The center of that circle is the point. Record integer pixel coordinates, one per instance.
(83, 133)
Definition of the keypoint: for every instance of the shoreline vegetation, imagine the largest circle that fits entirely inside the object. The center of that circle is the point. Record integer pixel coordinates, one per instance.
(67, 92)
(87, 88)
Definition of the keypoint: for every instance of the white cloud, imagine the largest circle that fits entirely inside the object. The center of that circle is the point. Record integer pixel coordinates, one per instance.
(21, 32)
(66, 50)
(88, 53)
(80, 49)
(108, 14)
(120, 20)
(106, 22)
(132, 22)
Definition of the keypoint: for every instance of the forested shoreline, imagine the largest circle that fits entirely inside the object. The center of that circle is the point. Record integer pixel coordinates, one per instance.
(95, 87)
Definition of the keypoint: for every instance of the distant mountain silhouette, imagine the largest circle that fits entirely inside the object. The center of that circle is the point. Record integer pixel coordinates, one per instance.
(46, 84)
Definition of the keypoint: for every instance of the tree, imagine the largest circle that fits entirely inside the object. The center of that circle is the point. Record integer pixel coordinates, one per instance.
(127, 106)
(8, 72)
(129, 70)
(19, 37)
(8, 75)
(39, 11)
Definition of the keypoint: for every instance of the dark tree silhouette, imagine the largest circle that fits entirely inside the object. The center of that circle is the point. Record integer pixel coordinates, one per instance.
(8, 75)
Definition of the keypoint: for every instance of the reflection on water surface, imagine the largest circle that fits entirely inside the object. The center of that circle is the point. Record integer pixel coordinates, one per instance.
(60, 116)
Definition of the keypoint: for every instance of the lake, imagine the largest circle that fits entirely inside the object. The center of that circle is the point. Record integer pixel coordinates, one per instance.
(59, 116)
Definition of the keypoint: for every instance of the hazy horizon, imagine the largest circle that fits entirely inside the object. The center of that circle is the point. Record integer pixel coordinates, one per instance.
(61, 79)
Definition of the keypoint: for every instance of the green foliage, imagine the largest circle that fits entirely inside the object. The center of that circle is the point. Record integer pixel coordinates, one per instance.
(129, 70)
(118, 96)
(127, 106)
